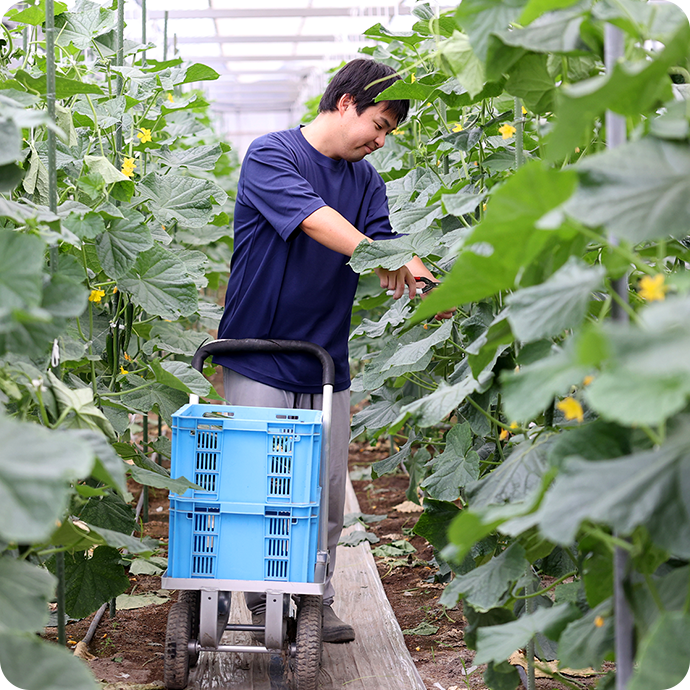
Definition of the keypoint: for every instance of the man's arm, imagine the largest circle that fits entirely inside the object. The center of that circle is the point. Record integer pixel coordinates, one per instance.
(332, 230)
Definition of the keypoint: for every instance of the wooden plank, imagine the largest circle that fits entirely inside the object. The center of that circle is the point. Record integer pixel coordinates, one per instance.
(376, 660)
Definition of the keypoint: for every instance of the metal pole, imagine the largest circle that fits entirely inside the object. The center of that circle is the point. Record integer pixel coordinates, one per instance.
(165, 36)
(614, 48)
(120, 59)
(519, 132)
(145, 511)
(60, 596)
(143, 31)
(50, 100)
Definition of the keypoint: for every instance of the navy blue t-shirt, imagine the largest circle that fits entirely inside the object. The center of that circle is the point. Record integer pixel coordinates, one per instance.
(283, 284)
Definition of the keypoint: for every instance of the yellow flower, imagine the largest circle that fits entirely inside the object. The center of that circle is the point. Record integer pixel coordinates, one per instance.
(599, 622)
(524, 110)
(504, 434)
(396, 132)
(587, 380)
(571, 408)
(128, 167)
(170, 97)
(507, 131)
(96, 295)
(144, 135)
(653, 288)
(127, 358)
(457, 128)
(114, 289)
(123, 371)
(514, 425)
(413, 79)
(483, 207)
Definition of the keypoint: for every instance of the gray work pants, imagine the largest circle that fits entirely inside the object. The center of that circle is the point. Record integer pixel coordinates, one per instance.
(240, 390)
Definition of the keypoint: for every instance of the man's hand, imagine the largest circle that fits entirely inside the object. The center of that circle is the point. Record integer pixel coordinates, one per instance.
(396, 281)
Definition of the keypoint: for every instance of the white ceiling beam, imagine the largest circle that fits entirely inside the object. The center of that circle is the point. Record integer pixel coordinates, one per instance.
(389, 11)
(294, 38)
(256, 58)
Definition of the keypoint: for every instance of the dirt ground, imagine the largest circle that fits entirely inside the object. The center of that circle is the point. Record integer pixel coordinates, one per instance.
(128, 649)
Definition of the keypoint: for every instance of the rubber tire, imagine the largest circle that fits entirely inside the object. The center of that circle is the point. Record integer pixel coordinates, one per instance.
(307, 661)
(176, 664)
(192, 597)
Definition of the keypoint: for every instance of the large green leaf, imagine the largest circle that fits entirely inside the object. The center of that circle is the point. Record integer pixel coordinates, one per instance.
(400, 310)
(21, 263)
(80, 27)
(100, 165)
(646, 488)
(171, 337)
(506, 241)
(159, 283)
(181, 376)
(410, 353)
(514, 479)
(91, 580)
(186, 200)
(583, 644)
(664, 654)
(627, 89)
(25, 591)
(108, 511)
(33, 664)
(481, 18)
(35, 468)
(78, 408)
(415, 217)
(457, 58)
(392, 254)
(456, 467)
(122, 242)
(382, 410)
(393, 462)
(154, 397)
(490, 585)
(64, 297)
(560, 302)
(498, 642)
(196, 158)
(64, 88)
(638, 191)
(147, 478)
(109, 468)
(434, 521)
(531, 81)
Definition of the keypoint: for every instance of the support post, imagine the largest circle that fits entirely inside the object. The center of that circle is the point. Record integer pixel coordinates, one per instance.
(165, 36)
(614, 49)
(119, 60)
(60, 595)
(50, 101)
(143, 31)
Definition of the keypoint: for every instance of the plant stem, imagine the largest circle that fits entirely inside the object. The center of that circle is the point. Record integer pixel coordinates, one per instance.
(546, 589)
(489, 416)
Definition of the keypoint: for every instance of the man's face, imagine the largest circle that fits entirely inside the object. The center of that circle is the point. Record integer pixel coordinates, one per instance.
(365, 133)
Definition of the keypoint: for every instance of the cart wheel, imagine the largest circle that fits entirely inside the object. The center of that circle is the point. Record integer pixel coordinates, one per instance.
(176, 669)
(192, 597)
(307, 662)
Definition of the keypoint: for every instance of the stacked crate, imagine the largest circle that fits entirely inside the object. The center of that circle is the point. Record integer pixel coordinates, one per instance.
(256, 513)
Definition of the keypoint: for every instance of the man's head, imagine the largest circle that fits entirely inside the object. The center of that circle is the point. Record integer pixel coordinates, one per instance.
(363, 80)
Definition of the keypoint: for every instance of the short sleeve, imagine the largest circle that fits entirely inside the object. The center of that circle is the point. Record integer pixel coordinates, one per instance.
(378, 225)
(273, 185)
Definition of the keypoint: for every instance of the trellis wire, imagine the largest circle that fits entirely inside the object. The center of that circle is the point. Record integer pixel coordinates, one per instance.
(614, 49)
(119, 60)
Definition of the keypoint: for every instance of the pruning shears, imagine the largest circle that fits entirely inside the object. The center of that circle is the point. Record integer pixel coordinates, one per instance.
(428, 285)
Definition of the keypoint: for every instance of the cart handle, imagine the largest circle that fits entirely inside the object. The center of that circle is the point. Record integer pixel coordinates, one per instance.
(227, 346)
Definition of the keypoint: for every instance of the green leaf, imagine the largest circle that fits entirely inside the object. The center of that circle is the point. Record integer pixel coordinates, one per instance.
(64, 88)
(79, 409)
(198, 72)
(599, 440)
(424, 628)
(155, 396)
(434, 521)
(628, 89)
(461, 204)
(410, 353)
(645, 488)
(34, 491)
(456, 467)
(392, 254)
(25, 591)
(196, 158)
(536, 8)
(560, 302)
(498, 642)
(392, 462)
(123, 241)
(637, 191)
(109, 468)
(457, 58)
(80, 27)
(21, 264)
(583, 644)
(187, 200)
(662, 660)
(36, 14)
(527, 393)
(118, 540)
(489, 585)
(148, 478)
(501, 676)
(415, 218)
(148, 566)
(181, 376)
(110, 512)
(383, 409)
(394, 549)
(171, 337)
(531, 81)
(100, 165)
(514, 479)
(64, 297)
(92, 580)
(481, 18)
(393, 317)
(505, 242)
(356, 537)
(159, 283)
(33, 664)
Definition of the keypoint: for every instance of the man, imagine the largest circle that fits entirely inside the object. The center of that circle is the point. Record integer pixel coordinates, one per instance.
(305, 199)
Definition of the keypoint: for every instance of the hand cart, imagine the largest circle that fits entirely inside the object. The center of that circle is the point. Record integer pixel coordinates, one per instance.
(272, 530)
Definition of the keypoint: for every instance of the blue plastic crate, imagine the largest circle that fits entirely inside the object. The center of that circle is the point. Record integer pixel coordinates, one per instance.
(263, 542)
(248, 454)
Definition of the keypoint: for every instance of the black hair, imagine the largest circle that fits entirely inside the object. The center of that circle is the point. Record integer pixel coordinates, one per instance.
(364, 80)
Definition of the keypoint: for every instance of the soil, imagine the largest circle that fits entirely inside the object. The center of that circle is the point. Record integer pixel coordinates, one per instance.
(128, 649)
